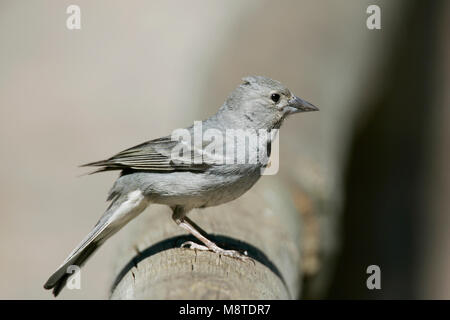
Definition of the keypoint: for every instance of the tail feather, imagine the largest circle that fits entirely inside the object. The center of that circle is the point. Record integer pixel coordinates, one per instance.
(78, 257)
(58, 280)
(122, 209)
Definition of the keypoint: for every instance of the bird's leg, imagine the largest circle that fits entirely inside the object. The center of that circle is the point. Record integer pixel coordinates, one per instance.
(188, 225)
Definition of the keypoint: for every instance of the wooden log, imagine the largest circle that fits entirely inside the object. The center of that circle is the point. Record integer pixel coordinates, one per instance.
(264, 222)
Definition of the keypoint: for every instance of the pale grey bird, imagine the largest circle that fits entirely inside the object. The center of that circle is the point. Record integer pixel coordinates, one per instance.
(149, 174)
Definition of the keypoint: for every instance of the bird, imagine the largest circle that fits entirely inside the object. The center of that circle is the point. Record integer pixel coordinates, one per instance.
(153, 173)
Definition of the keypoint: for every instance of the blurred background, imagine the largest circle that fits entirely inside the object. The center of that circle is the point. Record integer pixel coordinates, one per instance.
(374, 160)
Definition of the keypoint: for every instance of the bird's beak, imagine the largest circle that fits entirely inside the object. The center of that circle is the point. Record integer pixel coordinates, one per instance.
(296, 105)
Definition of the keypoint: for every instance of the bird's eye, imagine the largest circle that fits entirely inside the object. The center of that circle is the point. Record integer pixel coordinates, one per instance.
(275, 97)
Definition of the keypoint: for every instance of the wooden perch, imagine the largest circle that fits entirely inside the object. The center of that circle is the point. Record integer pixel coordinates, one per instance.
(264, 222)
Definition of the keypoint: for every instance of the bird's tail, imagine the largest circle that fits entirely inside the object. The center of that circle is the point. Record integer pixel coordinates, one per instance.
(118, 214)
(77, 258)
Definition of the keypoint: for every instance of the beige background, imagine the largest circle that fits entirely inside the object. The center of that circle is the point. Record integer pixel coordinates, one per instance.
(135, 71)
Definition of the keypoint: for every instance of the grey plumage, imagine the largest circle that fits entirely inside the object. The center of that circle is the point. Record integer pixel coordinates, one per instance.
(149, 173)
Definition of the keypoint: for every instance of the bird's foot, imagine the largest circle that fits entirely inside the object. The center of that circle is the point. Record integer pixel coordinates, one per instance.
(194, 246)
(217, 249)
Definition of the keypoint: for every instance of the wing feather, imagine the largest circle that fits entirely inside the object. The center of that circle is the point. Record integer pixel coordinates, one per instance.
(154, 155)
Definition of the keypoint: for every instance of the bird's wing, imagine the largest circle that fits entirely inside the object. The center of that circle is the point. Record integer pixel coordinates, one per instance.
(155, 155)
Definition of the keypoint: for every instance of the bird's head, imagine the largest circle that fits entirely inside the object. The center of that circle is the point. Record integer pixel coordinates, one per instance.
(264, 103)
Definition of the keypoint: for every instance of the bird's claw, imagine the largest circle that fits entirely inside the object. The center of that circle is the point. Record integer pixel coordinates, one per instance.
(235, 254)
(194, 246)
(228, 253)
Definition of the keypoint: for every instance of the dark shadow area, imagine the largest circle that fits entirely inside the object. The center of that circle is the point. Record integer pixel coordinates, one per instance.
(222, 241)
(384, 210)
